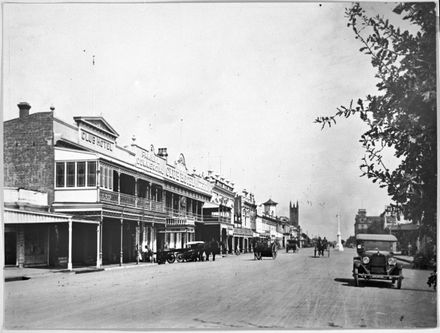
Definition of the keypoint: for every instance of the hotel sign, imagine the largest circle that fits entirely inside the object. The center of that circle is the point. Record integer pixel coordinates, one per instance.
(147, 160)
(95, 141)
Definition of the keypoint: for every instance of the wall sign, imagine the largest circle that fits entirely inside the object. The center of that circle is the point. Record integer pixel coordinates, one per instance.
(95, 141)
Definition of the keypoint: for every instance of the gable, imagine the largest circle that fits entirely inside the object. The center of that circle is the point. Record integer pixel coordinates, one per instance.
(97, 123)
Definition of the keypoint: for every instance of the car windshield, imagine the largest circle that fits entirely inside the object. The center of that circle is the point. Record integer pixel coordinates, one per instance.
(370, 245)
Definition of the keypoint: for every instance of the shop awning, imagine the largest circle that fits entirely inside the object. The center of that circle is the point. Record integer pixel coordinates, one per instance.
(18, 216)
(243, 232)
(211, 205)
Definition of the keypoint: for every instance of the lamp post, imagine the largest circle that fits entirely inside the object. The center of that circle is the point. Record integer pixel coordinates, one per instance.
(339, 246)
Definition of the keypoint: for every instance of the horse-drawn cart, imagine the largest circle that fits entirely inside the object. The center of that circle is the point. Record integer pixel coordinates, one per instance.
(263, 247)
(320, 250)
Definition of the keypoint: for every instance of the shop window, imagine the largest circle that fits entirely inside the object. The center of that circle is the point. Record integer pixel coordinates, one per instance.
(70, 174)
(81, 174)
(60, 168)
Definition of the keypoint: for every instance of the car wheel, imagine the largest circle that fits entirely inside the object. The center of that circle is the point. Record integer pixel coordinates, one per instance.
(171, 258)
(356, 277)
(179, 258)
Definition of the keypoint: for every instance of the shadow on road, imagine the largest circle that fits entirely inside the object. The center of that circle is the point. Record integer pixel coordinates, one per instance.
(362, 283)
(377, 284)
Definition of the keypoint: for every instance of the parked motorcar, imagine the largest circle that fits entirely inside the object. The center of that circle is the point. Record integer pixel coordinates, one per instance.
(192, 252)
(375, 260)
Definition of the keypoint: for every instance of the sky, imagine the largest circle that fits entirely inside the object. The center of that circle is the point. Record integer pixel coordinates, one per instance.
(235, 87)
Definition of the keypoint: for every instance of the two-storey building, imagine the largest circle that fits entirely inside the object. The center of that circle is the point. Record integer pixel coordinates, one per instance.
(245, 212)
(133, 195)
(218, 213)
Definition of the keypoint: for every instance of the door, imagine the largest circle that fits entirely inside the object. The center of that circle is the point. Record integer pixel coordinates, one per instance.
(11, 248)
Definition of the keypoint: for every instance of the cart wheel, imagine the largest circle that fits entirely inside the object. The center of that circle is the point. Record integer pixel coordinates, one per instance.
(179, 258)
(356, 277)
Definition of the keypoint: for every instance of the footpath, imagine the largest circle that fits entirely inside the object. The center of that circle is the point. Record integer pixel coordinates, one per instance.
(26, 273)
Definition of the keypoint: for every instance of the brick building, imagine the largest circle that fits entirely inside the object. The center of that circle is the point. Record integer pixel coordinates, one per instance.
(131, 196)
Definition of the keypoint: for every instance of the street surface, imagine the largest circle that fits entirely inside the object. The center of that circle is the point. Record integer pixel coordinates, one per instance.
(295, 291)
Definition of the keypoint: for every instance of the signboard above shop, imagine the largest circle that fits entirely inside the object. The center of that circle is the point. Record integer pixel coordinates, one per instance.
(149, 161)
(96, 133)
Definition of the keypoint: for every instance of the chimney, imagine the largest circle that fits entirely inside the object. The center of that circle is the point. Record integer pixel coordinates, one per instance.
(24, 108)
(162, 152)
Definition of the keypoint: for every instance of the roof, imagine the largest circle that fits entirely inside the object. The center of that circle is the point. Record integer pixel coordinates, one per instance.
(377, 237)
(405, 227)
(18, 216)
(98, 123)
(270, 202)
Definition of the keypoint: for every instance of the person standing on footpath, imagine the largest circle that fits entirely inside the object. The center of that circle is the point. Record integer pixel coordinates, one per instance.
(214, 248)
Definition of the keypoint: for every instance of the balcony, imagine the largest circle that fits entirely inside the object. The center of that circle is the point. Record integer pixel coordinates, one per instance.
(217, 219)
(175, 213)
(130, 200)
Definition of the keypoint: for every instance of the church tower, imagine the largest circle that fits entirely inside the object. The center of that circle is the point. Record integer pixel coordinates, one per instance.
(294, 214)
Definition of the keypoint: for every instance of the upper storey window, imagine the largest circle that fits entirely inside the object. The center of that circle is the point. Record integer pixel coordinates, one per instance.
(75, 174)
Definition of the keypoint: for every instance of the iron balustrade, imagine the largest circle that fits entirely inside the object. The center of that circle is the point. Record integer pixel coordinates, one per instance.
(217, 219)
(130, 200)
(183, 214)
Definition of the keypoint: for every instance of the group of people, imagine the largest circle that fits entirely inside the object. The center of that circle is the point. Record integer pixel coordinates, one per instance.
(321, 245)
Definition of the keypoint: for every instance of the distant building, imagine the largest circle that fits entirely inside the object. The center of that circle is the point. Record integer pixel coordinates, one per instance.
(294, 214)
(364, 222)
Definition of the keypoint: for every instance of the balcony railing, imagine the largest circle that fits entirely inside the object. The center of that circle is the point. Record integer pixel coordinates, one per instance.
(217, 219)
(130, 200)
(183, 214)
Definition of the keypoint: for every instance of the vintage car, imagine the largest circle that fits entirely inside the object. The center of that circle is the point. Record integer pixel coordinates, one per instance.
(264, 247)
(292, 244)
(375, 260)
(163, 256)
(192, 252)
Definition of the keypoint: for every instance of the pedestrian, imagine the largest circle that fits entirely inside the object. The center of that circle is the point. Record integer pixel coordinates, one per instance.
(213, 248)
(409, 249)
(147, 254)
(138, 254)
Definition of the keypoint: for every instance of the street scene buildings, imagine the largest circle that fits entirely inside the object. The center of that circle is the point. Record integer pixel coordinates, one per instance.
(76, 197)
(219, 165)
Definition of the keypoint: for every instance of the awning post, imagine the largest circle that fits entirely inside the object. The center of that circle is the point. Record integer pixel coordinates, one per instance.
(69, 259)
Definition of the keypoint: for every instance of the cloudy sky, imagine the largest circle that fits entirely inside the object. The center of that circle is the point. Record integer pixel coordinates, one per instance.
(235, 87)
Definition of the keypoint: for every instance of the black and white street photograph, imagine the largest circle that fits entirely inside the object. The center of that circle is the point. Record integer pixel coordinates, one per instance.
(225, 165)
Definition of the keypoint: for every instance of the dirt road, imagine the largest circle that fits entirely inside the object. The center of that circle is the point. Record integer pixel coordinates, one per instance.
(295, 291)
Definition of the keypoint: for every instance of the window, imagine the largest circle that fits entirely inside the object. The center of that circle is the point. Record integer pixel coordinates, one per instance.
(60, 168)
(91, 173)
(75, 174)
(70, 174)
(81, 174)
(106, 177)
